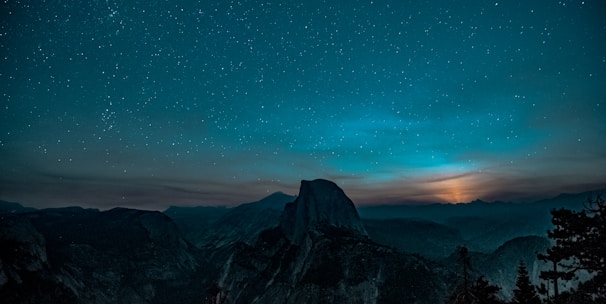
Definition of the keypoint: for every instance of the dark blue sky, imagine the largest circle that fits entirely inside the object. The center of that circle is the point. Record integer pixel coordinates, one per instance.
(151, 103)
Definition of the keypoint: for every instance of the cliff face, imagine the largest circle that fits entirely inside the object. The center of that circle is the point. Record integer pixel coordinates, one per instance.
(320, 204)
(330, 268)
(245, 222)
(320, 254)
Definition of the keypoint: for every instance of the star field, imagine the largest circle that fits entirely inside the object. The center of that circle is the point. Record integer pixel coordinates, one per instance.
(156, 103)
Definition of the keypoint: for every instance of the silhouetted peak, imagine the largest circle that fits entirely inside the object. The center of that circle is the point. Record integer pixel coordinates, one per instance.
(276, 195)
(276, 200)
(320, 204)
(10, 207)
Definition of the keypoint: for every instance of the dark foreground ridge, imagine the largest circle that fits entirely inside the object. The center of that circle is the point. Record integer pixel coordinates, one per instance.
(75, 255)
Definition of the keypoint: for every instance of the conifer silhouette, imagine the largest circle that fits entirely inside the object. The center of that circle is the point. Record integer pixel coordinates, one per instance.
(524, 292)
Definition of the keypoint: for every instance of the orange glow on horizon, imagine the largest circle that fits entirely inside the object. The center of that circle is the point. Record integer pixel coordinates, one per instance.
(455, 190)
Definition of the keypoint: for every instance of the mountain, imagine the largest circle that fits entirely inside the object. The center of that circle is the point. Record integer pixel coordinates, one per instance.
(245, 222)
(25, 275)
(75, 255)
(483, 226)
(428, 239)
(320, 253)
(440, 212)
(240, 224)
(320, 204)
(9, 207)
(195, 222)
(487, 233)
(571, 201)
(311, 248)
(500, 267)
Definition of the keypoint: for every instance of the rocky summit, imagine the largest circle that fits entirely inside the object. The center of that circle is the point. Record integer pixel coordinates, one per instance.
(321, 204)
(320, 253)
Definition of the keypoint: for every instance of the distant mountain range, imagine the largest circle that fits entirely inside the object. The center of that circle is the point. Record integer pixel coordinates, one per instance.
(315, 247)
(443, 212)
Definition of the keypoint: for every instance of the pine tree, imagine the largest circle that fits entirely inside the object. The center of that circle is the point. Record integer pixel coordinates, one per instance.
(485, 293)
(580, 244)
(465, 261)
(478, 292)
(593, 250)
(525, 292)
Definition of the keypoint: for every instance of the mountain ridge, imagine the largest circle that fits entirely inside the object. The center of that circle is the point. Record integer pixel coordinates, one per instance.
(312, 246)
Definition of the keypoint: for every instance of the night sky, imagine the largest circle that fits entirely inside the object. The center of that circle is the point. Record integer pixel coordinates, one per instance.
(148, 104)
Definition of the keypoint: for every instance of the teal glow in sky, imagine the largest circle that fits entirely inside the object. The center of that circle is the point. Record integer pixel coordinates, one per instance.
(154, 103)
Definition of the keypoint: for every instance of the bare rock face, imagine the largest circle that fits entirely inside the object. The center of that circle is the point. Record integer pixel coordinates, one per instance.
(321, 205)
(320, 253)
(23, 247)
(245, 222)
(24, 265)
